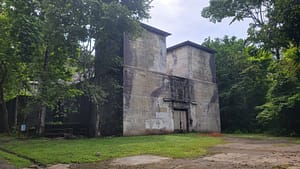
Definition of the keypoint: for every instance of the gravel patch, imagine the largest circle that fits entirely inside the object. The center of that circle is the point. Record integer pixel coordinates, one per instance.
(138, 160)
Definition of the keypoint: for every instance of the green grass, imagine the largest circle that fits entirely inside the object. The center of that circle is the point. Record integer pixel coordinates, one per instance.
(5, 137)
(52, 151)
(15, 160)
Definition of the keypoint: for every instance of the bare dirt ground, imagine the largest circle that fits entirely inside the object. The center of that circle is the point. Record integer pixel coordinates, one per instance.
(4, 165)
(237, 153)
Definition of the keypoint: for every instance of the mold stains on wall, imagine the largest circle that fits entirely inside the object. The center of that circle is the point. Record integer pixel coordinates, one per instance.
(128, 77)
(165, 89)
(212, 66)
(214, 97)
(181, 89)
(127, 52)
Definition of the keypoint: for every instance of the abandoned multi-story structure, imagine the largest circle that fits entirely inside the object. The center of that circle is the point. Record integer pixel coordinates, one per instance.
(164, 90)
(168, 89)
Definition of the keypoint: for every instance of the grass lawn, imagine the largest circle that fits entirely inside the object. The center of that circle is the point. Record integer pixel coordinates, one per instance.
(52, 151)
(5, 137)
(17, 161)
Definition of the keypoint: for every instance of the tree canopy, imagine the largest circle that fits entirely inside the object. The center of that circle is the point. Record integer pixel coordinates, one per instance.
(274, 22)
(265, 91)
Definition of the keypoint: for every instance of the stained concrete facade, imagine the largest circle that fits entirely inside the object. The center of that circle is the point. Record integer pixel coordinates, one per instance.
(167, 90)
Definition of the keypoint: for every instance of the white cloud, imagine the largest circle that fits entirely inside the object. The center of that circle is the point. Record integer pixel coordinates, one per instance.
(167, 8)
(182, 18)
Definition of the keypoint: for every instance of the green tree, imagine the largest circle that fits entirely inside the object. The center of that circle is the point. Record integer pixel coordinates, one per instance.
(241, 77)
(45, 36)
(18, 29)
(108, 21)
(62, 27)
(280, 114)
(274, 29)
(273, 21)
(5, 64)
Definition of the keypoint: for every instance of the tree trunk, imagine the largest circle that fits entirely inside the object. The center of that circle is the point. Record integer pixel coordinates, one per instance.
(277, 53)
(16, 113)
(42, 120)
(98, 132)
(95, 121)
(99, 71)
(42, 114)
(4, 111)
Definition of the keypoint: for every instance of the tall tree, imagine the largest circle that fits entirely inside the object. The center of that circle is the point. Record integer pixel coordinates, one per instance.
(273, 21)
(274, 28)
(45, 36)
(62, 28)
(109, 20)
(5, 52)
(241, 78)
(18, 39)
(280, 114)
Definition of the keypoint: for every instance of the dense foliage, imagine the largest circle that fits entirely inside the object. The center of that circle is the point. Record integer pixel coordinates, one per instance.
(259, 77)
(281, 112)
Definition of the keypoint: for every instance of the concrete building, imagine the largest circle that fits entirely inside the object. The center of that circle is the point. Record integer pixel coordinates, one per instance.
(165, 90)
(168, 89)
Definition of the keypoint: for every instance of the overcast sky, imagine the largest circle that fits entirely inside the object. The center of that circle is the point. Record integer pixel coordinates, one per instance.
(182, 18)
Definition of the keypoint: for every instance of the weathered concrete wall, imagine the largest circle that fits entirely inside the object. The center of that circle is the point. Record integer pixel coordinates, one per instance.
(158, 87)
(202, 65)
(144, 110)
(145, 86)
(207, 118)
(205, 89)
(147, 52)
(192, 63)
(199, 67)
(178, 63)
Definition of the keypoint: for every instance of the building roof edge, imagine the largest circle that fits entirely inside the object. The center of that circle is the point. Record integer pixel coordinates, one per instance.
(193, 44)
(155, 30)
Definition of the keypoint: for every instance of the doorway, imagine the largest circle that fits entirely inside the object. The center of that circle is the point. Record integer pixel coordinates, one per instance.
(180, 121)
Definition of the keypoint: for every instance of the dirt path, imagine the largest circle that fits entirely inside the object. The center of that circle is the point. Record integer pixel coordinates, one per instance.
(4, 165)
(235, 154)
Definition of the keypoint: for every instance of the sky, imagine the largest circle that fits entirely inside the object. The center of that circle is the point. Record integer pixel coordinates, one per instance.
(182, 18)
